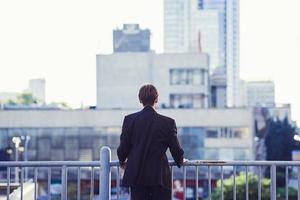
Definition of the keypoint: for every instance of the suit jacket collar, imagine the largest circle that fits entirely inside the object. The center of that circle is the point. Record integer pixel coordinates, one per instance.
(150, 108)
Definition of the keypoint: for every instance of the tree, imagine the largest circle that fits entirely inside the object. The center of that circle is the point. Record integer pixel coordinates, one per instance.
(280, 143)
(26, 99)
(23, 99)
(280, 140)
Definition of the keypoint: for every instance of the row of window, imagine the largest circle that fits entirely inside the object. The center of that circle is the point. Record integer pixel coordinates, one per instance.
(187, 100)
(187, 76)
(49, 145)
(228, 132)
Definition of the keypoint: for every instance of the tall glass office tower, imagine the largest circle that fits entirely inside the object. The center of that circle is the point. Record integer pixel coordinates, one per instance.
(210, 26)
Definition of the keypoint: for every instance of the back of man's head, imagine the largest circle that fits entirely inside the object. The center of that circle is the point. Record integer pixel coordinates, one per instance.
(148, 95)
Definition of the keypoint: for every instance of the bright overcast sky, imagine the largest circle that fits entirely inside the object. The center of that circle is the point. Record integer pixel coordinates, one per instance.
(58, 40)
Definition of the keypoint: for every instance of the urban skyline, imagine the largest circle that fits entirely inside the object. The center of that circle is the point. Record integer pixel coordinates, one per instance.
(206, 26)
(60, 54)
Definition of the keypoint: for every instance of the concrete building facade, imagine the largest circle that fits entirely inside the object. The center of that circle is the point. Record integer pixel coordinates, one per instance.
(260, 93)
(79, 134)
(182, 79)
(38, 89)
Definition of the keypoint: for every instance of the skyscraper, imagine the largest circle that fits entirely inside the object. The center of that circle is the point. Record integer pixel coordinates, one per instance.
(210, 26)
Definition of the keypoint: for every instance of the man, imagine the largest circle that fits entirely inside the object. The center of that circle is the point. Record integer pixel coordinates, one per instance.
(145, 138)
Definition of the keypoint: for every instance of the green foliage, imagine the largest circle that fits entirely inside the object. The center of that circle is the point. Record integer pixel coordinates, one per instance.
(241, 187)
(23, 99)
(11, 102)
(240, 181)
(26, 99)
(293, 193)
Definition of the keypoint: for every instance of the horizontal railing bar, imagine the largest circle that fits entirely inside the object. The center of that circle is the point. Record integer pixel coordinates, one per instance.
(238, 163)
(172, 163)
(229, 163)
(50, 164)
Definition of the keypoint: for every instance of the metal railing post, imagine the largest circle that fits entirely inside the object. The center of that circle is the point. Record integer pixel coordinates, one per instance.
(64, 181)
(273, 182)
(105, 174)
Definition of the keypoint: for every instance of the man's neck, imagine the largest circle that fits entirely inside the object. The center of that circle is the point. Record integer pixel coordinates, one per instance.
(150, 106)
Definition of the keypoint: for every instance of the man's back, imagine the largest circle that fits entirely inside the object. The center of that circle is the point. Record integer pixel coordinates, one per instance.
(146, 136)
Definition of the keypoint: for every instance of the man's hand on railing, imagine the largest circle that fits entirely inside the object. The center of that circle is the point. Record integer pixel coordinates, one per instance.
(123, 165)
(185, 160)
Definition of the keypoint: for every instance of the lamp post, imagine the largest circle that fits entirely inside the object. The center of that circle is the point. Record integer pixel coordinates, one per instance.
(26, 138)
(16, 141)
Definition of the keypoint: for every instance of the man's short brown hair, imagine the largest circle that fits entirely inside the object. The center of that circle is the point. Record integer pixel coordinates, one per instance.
(148, 94)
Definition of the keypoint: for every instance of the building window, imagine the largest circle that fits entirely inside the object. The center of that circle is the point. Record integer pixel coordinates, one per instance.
(202, 77)
(192, 141)
(187, 76)
(198, 77)
(187, 100)
(57, 154)
(200, 4)
(212, 134)
(44, 149)
(228, 132)
(57, 138)
(71, 148)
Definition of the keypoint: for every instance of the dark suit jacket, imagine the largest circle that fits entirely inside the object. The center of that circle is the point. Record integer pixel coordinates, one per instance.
(145, 138)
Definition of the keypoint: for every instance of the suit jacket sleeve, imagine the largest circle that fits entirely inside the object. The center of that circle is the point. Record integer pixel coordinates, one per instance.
(124, 147)
(173, 143)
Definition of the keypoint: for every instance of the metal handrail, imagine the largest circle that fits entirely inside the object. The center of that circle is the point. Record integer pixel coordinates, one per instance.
(115, 163)
(106, 166)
